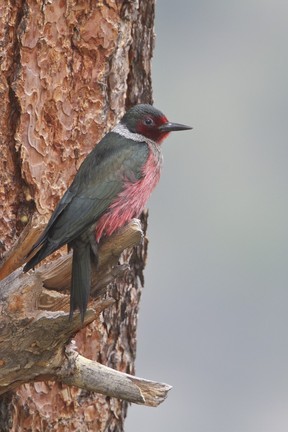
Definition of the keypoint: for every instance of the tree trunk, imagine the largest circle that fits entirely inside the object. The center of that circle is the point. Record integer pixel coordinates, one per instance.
(69, 70)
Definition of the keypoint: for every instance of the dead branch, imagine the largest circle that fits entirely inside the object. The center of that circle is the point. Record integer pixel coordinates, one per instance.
(93, 376)
(16, 256)
(35, 328)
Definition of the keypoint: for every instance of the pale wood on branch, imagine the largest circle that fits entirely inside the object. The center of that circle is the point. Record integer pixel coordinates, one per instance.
(35, 328)
(93, 376)
(16, 256)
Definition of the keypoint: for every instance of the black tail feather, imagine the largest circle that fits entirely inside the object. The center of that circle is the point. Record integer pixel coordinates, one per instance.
(81, 278)
(46, 249)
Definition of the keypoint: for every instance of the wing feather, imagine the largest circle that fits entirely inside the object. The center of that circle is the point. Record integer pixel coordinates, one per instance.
(97, 184)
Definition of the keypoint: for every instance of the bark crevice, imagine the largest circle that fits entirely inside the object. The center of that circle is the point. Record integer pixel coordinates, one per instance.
(68, 71)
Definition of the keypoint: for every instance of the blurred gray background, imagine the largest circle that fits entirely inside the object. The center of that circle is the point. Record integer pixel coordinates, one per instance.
(214, 312)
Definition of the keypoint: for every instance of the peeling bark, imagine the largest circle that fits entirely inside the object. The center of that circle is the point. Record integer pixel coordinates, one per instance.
(69, 70)
(28, 352)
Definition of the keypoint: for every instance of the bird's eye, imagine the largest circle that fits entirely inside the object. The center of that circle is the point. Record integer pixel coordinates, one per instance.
(148, 121)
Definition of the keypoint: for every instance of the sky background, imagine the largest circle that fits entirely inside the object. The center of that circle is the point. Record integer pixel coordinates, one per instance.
(213, 320)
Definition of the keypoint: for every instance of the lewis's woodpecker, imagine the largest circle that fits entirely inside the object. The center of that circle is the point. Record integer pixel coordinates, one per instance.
(111, 187)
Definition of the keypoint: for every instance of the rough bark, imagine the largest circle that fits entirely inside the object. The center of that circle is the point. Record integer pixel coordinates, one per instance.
(69, 70)
(28, 352)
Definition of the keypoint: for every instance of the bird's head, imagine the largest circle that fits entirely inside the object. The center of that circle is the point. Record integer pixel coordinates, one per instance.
(148, 121)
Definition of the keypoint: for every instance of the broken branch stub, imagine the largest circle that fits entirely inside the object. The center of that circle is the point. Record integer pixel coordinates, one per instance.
(35, 328)
(93, 376)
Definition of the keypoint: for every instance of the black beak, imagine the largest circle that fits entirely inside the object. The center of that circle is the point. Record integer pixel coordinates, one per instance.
(170, 127)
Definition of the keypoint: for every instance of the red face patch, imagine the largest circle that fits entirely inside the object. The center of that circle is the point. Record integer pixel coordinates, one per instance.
(149, 127)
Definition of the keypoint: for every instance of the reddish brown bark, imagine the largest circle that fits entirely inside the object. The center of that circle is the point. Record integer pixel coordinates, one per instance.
(69, 69)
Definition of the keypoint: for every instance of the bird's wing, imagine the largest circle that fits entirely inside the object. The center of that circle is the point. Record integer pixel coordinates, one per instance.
(66, 199)
(98, 182)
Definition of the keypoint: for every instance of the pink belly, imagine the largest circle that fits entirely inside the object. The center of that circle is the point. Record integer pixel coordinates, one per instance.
(131, 201)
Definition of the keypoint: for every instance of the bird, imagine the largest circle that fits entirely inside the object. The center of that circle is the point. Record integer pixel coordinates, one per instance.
(110, 188)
